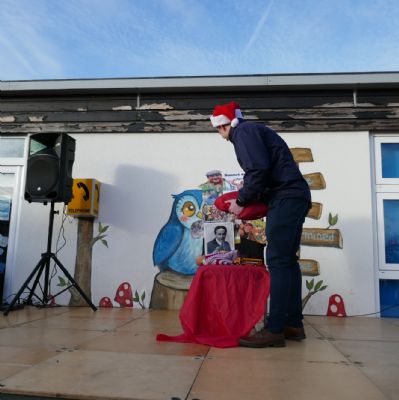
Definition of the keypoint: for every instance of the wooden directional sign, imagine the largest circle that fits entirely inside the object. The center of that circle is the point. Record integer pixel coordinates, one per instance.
(315, 181)
(315, 211)
(302, 154)
(314, 236)
(321, 237)
(309, 267)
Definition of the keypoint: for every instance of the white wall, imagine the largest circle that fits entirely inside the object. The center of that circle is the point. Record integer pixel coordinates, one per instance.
(344, 160)
(139, 172)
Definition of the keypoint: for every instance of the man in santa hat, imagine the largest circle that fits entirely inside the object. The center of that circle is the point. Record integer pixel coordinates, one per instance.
(271, 175)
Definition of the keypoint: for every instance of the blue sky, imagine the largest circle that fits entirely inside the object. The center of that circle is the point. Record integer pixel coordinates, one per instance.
(69, 39)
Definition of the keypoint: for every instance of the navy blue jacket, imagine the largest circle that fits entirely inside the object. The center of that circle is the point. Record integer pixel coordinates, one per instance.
(270, 170)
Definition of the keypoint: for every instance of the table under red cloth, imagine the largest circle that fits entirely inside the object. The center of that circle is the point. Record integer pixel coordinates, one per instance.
(223, 304)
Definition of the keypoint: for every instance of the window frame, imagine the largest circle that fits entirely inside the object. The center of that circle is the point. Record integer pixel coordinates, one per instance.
(378, 141)
(380, 197)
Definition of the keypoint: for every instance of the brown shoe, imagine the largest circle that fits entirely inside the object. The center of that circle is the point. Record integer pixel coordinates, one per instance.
(291, 333)
(263, 338)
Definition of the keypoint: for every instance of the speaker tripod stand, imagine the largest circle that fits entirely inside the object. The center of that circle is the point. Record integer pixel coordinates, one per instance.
(44, 266)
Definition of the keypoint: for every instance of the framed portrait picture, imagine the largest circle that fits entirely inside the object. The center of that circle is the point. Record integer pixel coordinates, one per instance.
(218, 237)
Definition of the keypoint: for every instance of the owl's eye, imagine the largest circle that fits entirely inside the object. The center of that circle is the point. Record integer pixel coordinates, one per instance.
(188, 209)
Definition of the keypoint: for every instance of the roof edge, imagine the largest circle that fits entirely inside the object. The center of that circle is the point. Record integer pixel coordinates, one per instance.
(223, 82)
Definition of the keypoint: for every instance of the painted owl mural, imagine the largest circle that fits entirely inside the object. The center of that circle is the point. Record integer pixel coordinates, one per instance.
(179, 241)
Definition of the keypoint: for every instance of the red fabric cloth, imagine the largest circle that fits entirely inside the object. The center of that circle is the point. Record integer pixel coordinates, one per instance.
(223, 304)
(250, 212)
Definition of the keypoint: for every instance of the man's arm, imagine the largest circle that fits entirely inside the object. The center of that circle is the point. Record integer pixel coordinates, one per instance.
(253, 156)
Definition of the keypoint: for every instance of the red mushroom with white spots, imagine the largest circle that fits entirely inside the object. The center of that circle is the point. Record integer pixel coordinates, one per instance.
(106, 302)
(124, 295)
(336, 306)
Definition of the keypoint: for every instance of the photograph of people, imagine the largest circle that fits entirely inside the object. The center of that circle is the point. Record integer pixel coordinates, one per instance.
(218, 237)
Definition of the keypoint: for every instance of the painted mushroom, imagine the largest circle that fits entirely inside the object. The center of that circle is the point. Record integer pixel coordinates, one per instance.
(106, 302)
(124, 295)
(336, 307)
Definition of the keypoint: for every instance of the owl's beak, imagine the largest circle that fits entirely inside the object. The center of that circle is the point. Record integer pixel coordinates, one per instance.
(199, 214)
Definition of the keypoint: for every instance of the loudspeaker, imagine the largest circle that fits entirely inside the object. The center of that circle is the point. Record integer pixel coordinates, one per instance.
(49, 168)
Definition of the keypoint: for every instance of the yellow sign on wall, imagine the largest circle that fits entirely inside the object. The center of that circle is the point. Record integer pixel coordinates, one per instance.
(85, 198)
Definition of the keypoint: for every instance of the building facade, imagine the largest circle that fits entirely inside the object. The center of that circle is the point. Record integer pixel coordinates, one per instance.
(148, 139)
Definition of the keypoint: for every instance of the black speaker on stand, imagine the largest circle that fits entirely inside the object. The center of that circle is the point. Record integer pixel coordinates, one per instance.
(48, 180)
(49, 168)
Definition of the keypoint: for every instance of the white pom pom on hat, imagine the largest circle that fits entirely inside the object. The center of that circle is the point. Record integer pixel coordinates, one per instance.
(226, 114)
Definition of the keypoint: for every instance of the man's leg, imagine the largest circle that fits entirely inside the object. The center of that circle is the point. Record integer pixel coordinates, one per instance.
(283, 227)
(294, 309)
(283, 231)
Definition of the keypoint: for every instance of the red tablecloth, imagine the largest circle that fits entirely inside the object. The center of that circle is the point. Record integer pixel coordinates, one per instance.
(223, 304)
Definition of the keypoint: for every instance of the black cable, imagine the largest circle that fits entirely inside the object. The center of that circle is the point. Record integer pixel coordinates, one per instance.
(61, 233)
(20, 303)
(377, 312)
(360, 315)
(13, 295)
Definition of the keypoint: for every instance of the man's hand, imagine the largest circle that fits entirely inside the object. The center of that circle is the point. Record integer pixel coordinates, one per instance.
(234, 208)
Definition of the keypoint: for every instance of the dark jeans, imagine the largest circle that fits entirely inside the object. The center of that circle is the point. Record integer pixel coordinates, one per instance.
(284, 222)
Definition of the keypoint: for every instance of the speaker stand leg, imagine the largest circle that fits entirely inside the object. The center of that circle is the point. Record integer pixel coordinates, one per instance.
(44, 262)
(44, 265)
(37, 270)
(73, 282)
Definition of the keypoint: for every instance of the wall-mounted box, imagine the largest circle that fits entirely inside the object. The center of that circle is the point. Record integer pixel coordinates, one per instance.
(85, 198)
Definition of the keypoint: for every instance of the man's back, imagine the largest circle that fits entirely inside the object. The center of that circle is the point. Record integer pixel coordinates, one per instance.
(268, 163)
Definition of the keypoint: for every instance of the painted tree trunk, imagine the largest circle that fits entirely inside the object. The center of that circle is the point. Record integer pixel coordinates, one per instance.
(82, 273)
(170, 290)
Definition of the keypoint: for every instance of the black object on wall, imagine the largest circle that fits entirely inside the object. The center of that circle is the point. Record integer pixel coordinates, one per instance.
(49, 168)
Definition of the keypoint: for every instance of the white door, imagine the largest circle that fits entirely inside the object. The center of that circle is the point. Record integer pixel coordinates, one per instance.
(9, 185)
(12, 161)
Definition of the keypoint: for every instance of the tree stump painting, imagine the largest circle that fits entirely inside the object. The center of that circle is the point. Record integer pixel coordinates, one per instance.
(170, 290)
(315, 236)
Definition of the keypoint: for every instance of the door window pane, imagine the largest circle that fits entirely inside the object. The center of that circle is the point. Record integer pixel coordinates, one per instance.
(390, 160)
(391, 231)
(7, 181)
(12, 147)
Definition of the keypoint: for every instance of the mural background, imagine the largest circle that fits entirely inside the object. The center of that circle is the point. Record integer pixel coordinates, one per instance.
(140, 172)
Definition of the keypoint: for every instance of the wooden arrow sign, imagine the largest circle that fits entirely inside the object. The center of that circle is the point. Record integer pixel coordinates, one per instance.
(321, 237)
(309, 267)
(302, 154)
(315, 211)
(315, 181)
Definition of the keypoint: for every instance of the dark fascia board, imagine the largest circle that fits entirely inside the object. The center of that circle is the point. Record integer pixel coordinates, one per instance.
(202, 83)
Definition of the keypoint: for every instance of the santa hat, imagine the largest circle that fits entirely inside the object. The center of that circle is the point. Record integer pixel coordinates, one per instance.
(226, 114)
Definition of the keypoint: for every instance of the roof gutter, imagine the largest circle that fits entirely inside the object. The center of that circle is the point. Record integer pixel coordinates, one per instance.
(205, 83)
